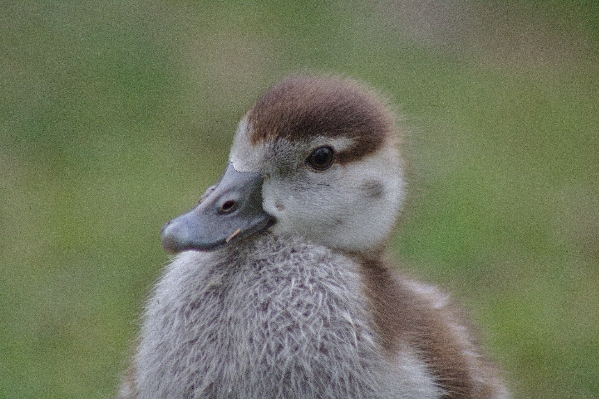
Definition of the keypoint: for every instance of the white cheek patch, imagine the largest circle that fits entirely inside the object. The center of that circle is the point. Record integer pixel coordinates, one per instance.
(351, 206)
(373, 192)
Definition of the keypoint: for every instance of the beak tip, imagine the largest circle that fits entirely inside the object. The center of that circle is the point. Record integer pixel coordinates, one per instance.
(170, 238)
(169, 244)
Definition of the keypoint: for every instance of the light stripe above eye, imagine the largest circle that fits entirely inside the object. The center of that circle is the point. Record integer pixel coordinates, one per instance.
(302, 108)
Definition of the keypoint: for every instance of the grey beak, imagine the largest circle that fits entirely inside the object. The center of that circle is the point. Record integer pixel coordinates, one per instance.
(230, 210)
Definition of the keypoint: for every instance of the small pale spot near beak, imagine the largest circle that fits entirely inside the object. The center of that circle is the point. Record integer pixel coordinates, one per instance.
(232, 236)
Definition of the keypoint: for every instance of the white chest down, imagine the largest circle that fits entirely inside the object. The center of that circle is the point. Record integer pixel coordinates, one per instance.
(272, 319)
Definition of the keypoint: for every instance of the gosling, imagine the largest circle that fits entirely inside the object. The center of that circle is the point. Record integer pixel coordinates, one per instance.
(280, 287)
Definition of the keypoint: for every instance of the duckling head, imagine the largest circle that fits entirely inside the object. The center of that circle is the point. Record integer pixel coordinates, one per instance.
(315, 157)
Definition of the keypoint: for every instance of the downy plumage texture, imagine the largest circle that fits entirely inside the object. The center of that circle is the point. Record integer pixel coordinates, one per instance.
(301, 302)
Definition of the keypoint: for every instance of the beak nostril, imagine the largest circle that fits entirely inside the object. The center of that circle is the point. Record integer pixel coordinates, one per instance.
(206, 194)
(228, 206)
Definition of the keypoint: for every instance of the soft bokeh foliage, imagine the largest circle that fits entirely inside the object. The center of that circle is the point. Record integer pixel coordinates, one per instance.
(115, 116)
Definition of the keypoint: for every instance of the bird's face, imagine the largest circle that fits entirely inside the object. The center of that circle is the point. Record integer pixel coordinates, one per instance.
(302, 166)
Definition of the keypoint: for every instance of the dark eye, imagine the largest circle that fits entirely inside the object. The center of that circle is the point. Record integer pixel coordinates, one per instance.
(321, 158)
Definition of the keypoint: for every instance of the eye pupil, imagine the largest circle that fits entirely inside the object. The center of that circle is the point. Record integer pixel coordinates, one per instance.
(321, 158)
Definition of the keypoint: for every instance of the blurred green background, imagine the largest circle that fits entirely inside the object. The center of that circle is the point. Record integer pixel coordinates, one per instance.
(115, 116)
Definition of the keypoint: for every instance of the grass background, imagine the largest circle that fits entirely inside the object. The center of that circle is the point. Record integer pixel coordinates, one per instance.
(115, 116)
